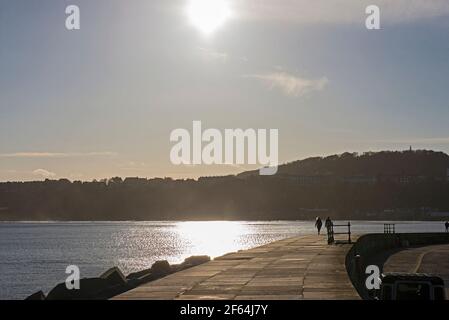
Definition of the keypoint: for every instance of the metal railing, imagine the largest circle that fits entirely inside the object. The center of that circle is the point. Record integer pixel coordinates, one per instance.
(331, 233)
(389, 228)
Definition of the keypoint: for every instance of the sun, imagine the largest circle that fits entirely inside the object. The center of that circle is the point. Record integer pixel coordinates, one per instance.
(208, 15)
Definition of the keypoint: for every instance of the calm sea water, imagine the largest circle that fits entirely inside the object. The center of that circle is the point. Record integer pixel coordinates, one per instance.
(34, 256)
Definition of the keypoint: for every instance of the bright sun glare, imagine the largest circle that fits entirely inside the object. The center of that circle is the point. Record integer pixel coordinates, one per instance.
(208, 15)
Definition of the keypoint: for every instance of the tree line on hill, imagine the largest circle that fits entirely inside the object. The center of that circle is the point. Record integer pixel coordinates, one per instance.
(248, 196)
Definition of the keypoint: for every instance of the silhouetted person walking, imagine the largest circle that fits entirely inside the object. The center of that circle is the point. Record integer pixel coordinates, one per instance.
(318, 224)
(328, 223)
(447, 226)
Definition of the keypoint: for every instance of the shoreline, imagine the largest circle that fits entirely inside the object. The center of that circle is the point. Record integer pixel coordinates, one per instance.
(212, 220)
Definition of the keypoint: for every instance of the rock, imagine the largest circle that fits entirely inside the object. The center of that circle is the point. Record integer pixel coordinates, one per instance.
(108, 284)
(90, 288)
(190, 262)
(138, 274)
(114, 277)
(36, 296)
(161, 268)
(176, 267)
(141, 277)
(194, 261)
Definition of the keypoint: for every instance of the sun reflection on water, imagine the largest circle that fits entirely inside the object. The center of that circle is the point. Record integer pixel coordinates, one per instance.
(212, 237)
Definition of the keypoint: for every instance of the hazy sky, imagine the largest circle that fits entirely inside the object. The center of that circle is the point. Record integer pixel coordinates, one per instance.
(101, 101)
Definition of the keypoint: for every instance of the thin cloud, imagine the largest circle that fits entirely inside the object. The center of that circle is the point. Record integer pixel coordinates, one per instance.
(55, 154)
(339, 11)
(133, 166)
(44, 173)
(436, 140)
(214, 55)
(289, 84)
(222, 57)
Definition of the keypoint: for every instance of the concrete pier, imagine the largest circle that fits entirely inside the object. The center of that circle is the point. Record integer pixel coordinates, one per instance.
(291, 269)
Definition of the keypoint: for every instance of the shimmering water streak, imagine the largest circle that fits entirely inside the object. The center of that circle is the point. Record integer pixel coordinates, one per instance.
(34, 256)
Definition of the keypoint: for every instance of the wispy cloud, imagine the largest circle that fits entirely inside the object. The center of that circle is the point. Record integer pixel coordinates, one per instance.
(223, 57)
(55, 154)
(289, 84)
(44, 173)
(133, 166)
(340, 11)
(435, 140)
(213, 55)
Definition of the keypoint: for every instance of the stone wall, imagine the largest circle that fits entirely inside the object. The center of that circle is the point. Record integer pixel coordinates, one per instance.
(375, 248)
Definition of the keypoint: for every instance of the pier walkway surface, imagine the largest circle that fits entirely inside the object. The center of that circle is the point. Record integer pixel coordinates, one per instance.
(429, 259)
(291, 269)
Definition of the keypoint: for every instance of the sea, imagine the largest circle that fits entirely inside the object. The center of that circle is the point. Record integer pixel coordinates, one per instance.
(34, 255)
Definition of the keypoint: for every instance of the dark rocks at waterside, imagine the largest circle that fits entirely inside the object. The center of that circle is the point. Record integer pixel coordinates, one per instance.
(114, 277)
(107, 285)
(141, 275)
(190, 262)
(90, 289)
(195, 260)
(158, 270)
(161, 267)
(36, 296)
(113, 282)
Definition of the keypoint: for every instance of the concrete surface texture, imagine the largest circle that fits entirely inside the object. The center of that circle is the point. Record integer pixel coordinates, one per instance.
(429, 259)
(291, 269)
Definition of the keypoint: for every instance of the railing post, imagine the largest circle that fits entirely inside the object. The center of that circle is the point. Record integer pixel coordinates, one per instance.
(349, 231)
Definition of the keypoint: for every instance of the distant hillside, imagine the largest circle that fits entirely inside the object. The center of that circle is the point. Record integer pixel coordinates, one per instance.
(412, 163)
(410, 185)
